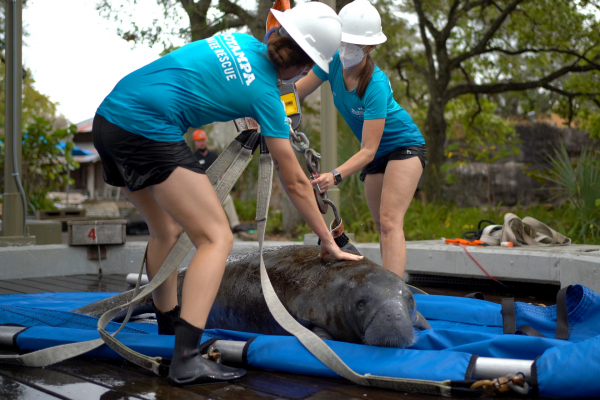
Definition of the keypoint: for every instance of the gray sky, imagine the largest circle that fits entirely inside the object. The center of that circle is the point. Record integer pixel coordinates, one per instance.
(75, 56)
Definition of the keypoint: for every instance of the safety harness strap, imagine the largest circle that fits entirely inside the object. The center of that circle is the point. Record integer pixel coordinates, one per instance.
(312, 342)
(230, 164)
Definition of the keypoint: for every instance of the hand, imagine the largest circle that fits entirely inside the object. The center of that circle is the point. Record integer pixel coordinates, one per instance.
(329, 247)
(325, 181)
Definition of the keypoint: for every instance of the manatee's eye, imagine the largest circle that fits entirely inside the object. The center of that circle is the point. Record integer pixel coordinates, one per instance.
(360, 305)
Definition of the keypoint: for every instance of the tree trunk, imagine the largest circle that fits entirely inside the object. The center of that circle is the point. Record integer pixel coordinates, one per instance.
(435, 136)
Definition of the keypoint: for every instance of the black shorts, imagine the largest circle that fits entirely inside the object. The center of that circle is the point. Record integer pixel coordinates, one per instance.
(135, 161)
(378, 165)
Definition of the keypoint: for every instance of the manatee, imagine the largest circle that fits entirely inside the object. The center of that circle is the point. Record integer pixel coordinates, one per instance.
(350, 301)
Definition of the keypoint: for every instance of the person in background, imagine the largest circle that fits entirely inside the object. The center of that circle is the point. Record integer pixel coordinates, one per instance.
(392, 153)
(138, 132)
(206, 158)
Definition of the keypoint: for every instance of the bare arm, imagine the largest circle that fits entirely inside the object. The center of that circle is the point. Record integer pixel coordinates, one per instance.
(301, 193)
(308, 84)
(372, 132)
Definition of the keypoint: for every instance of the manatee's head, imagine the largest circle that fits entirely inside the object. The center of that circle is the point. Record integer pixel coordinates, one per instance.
(383, 309)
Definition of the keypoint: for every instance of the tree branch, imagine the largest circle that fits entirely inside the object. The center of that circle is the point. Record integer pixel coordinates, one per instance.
(224, 23)
(479, 110)
(452, 18)
(472, 4)
(516, 86)
(229, 7)
(541, 50)
(407, 81)
(422, 22)
(481, 45)
(408, 59)
(430, 27)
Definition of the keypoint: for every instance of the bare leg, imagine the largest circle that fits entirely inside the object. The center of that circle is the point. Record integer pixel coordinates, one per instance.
(190, 200)
(164, 232)
(399, 184)
(373, 187)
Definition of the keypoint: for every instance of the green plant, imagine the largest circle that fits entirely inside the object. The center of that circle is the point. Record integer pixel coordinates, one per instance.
(45, 164)
(580, 183)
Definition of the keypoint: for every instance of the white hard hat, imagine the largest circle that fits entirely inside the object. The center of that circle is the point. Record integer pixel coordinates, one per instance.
(316, 28)
(361, 23)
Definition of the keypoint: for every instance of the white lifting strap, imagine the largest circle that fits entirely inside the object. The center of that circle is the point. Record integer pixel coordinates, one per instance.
(312, 342)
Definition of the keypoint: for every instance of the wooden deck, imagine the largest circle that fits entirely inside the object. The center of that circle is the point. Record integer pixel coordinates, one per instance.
(90, 379)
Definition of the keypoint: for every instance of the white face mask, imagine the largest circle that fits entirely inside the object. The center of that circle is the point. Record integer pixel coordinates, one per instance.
(304, 72)
(351, 55)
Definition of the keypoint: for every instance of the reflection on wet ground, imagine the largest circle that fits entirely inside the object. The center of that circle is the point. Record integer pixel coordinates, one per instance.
(84, 378)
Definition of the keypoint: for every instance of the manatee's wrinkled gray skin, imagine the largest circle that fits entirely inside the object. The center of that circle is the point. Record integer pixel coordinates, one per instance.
(350, 301)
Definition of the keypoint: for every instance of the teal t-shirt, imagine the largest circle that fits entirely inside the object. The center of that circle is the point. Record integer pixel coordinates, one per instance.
(378, 102)
(217, 79)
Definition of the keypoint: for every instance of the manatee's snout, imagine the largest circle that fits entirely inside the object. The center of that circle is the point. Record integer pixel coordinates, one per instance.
(391, 326)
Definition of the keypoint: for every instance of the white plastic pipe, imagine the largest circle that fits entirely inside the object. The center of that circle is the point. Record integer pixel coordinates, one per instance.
(131, 279)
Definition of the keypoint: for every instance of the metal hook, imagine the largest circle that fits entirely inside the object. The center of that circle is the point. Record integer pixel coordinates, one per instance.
(336, 214)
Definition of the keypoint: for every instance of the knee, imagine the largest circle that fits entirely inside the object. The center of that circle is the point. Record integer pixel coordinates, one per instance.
(389, 226)
(222, 237)
(168, 232)
(377, 226)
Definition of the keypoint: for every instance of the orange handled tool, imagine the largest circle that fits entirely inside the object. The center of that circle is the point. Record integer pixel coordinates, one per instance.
(465, 242)
(280, 5)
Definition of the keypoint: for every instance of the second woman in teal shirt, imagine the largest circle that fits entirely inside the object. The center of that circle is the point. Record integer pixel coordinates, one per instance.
(392, 154)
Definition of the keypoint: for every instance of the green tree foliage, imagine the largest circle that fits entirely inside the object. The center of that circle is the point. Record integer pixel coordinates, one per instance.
(35, 104)
(476, 48)
(45, 165)
(206, 18)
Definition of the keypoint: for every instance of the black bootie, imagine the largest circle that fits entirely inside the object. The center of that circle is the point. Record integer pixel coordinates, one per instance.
(188, 367)
(165, 320)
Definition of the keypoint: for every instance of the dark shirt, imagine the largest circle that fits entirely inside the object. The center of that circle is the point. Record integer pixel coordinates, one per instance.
(207, 160)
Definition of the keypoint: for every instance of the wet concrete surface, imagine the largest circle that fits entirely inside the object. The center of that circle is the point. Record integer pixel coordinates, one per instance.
(85, 378)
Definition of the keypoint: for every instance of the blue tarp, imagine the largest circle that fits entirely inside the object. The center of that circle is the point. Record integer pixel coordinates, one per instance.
(461, 328)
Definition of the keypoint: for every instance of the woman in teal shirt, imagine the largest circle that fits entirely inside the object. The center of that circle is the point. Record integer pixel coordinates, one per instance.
(392, 154)
(138, 133)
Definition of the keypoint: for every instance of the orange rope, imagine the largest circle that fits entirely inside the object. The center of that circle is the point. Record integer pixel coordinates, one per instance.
(479, 265)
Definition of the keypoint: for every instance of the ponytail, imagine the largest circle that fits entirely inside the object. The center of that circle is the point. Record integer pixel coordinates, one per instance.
(365, 76)
(284, 52)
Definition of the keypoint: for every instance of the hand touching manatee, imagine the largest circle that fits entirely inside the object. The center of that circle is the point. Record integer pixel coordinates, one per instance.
(333, 249)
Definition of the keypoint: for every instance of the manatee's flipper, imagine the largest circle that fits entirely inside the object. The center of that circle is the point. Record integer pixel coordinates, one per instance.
(416, 290)
(322, 333)
(421, 323)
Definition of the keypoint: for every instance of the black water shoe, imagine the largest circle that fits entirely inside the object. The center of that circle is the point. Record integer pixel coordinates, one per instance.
(165, 320)
(188, 367)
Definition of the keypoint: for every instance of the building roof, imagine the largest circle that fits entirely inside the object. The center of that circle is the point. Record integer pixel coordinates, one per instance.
(85, 126)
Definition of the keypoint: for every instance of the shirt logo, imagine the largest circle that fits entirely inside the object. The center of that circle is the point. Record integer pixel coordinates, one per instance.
(234, 62)
(360, 112)
(202, 162)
